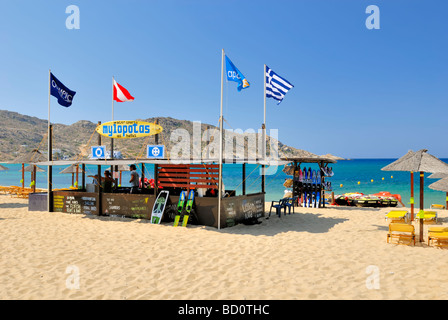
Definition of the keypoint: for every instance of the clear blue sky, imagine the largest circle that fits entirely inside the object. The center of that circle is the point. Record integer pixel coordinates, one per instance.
(358, 92)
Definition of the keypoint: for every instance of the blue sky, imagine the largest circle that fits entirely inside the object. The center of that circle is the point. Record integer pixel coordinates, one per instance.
(358, 93)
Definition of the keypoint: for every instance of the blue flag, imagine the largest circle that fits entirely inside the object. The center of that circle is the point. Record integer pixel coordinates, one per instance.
(233, 74)
(61, 92)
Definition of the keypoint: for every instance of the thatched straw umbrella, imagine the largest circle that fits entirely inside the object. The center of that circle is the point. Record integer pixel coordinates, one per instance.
(74, 168)
(31, 157)
(120, 169)
(419, 161)
(441, 185)
(439, 175)
(33, 169)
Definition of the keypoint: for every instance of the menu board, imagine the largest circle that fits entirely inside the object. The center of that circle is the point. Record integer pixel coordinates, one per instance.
(129, 205)
(244, 207)
(75, 202)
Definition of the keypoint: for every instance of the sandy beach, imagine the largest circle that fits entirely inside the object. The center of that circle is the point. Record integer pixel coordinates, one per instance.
(331, 253)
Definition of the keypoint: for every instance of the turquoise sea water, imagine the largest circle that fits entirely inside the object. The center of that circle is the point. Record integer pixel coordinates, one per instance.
(347, 173)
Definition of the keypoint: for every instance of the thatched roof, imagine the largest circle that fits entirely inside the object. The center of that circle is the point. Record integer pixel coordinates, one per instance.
(438, 175)
(122, 167)
(29, 168)
(418, 161)
(31, 157)
(71, 169)
(441, 185)
(330, 156)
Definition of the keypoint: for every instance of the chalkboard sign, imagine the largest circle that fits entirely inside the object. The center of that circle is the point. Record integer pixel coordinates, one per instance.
(75, 202)
(129, 205)
(242, 208)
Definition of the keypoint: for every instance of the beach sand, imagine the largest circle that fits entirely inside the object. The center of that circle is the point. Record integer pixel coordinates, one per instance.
(331, 253)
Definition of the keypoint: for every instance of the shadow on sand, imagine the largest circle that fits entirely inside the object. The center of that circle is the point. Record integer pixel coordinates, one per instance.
(13, 205)
(298, 222)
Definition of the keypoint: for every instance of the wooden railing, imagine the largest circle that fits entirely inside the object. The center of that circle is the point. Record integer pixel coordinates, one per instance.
(190, 176)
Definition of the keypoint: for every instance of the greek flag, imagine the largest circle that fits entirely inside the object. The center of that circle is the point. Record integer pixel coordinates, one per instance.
(276, 86)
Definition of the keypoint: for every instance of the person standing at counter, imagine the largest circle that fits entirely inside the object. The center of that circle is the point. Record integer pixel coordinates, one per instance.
(107, 182)
(134, 179)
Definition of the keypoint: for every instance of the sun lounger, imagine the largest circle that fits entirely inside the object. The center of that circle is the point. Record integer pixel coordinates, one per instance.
(437, 206)
(398, 216)
(427, 216)
(401, 231)
(441, 237)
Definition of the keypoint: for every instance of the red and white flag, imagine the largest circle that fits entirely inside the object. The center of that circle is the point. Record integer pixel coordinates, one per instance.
(121, 94)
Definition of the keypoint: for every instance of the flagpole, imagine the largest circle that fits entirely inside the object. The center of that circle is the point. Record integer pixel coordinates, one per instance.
(49, 144)
(220, 143)
(112, 139)
(264, 114)
(112, 98)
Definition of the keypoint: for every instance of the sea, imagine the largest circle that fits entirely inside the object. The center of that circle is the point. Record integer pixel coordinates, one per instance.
(357, 175)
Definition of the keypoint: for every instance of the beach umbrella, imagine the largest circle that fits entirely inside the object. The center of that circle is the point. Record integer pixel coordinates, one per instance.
(438, 175)
(74, 168)
(121, 168)
(440, 185)
(33, 169)
(30, 157)
(419, 161)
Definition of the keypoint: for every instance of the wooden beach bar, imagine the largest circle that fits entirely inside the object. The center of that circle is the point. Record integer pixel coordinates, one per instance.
(168, 175)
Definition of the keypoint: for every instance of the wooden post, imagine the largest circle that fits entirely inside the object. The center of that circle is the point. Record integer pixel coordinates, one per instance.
(77, 174)
(33, 178)
(412, 196)
(262, 179)
(142, 179)
(23, 175)
(99, 205)
(83, 176)
(446, 205)
(244, 178)
(421, 204)
(156, 169)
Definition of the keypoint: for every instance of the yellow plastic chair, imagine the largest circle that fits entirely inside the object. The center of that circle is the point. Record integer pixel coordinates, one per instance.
(441, 237)
(400, 231)
(427, 216)
(398, 216)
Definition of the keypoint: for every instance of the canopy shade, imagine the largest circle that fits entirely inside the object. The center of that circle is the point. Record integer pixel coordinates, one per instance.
(33, 156)
(441, 185)
(438, 175)
(30, 168)
(71, 169)
(419, 161)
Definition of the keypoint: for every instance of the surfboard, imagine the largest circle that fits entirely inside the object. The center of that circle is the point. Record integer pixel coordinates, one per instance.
(159, 207)
(188, 208)
(180, 207)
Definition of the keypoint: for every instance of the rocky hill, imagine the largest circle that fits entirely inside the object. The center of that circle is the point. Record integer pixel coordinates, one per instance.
(21, 133)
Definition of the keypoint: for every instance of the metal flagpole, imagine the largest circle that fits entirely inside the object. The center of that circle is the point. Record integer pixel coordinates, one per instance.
(49, 144)
(112, 98)
(220, 143)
